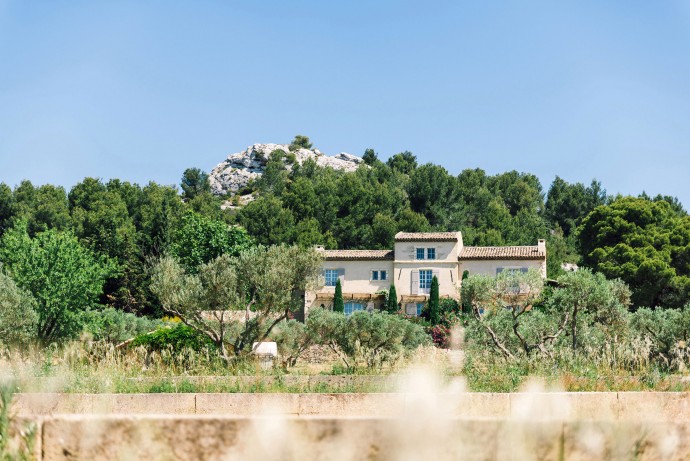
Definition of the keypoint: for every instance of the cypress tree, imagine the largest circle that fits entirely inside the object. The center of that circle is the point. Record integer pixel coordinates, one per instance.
(434, 308)
(392, 305)
(338, 303)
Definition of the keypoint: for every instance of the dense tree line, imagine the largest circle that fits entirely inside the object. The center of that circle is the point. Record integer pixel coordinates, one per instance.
(116, 226)
(93, 247)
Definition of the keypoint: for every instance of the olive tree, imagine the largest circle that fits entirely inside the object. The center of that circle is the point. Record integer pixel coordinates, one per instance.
(17, 312)
(237, 300)
(503, 308)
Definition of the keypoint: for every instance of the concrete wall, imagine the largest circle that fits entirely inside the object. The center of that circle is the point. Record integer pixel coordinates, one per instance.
(489, 267)
(447, 273)
(483, 426)
(357, 277)
(445, 251)
(610, 406)
(414, 437)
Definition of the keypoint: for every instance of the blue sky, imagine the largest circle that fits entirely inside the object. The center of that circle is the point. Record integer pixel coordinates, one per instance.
(142, 90)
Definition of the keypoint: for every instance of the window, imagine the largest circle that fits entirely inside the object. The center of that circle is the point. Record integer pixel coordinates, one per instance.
(426, 253)
(515, 288)
(511, 269)
(353, 307)
(425, 280)
(379, 275)
(331, 276)
(414, 309)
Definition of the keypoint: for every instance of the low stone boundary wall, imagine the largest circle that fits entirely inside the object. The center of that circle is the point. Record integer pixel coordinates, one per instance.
(106, 438)
(608, 406)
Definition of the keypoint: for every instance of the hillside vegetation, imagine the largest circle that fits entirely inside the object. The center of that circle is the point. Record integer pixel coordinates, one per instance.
(105, 235)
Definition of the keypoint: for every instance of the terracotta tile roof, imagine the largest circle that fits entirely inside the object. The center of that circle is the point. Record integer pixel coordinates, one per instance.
(522, 252)
(339, 255)
(427, 236)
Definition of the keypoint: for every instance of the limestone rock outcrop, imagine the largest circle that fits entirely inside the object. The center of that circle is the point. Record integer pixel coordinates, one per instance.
(238, 169)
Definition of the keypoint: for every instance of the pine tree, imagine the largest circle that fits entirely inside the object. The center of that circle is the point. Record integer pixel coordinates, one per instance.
(392, 304)
(434, 308)
(338, 303)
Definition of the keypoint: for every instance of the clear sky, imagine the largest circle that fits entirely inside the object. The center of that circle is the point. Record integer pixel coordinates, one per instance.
(141, 90)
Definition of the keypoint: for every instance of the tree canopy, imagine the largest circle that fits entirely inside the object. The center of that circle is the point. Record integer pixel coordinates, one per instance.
(65, 278)
(643, 242)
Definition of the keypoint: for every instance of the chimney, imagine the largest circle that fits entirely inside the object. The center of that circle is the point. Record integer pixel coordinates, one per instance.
(541, 244)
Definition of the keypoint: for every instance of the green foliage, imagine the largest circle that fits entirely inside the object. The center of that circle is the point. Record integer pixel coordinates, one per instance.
(370, 157)
(63, 277)
(516, 316)
(176, 338)
(275, 175)
(568, 204)
(646, 244)
(7, 211)
(669, 331)
(200, 239)
(404, 162)
(267, 221)
(293, 338)
(502, 316)
(338, 303)
(114, 326)
(371, 339)
(434, 306)
(194, 182)
(592, 302)
(392, 300)
(263, 283)
(300, 142)
(17, 313)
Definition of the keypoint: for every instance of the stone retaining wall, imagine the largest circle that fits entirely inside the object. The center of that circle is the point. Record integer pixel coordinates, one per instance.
(609, 406)
(106, 438)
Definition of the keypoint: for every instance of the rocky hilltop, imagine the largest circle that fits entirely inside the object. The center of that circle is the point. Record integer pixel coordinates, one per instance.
(240, 168)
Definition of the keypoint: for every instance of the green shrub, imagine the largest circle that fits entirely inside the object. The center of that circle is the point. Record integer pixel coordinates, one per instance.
(292, 338)
(338, 302)
(371, 339)
(113, 325)
(177, 338)
(17, 313)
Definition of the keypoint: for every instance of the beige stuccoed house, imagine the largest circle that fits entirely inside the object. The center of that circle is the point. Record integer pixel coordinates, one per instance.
(366, 275)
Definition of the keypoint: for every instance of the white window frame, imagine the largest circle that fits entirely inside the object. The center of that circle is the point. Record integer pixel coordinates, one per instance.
(521, 269)
(351, 305)
(337, 275)
(425, 289)
(378, 275)
(425, 253)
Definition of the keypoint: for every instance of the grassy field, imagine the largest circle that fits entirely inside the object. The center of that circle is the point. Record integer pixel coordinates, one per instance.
(101, 368)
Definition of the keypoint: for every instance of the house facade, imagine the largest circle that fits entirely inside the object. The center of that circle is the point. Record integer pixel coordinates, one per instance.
(366, 275)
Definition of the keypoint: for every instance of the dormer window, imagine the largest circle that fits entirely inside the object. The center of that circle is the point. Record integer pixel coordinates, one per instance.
(425, 253)
(379, 275)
